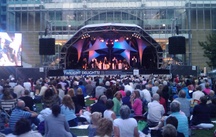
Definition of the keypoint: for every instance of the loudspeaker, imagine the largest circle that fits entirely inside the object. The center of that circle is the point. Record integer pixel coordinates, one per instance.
(47, 46)
(177, 45)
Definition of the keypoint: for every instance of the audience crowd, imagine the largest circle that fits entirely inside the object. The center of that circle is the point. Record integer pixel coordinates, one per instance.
(170, 106)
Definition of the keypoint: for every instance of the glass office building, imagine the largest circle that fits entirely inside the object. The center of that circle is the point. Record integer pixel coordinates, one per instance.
(62, 18)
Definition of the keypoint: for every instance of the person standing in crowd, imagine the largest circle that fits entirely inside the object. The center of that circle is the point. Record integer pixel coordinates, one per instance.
(125, 126)
(80, 99)
(19, 89)
(56, 124)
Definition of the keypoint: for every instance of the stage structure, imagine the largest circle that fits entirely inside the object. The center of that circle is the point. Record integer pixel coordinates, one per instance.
(111, 40)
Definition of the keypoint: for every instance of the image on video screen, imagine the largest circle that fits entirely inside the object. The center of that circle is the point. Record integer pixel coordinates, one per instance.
(10, 49)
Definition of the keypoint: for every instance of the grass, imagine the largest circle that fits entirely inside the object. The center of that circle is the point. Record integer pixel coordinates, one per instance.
(203, 132)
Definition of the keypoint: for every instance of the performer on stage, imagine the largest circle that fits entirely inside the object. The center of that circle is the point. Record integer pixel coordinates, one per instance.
(84, 63)
(100, 64)
(125, 64)
(134, 62)
(93, 63)
(114, 63)
(120, 64)
(105, 64)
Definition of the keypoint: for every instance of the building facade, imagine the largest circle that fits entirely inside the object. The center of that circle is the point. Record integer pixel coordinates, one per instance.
(195, 19)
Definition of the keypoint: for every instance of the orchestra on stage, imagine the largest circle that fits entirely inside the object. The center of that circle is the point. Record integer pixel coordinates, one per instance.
(113, 64)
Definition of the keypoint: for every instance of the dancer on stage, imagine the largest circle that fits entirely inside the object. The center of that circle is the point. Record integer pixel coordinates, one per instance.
(84, 63)
(105, 64)
(114, 63)
(120, 64)
(134, 62)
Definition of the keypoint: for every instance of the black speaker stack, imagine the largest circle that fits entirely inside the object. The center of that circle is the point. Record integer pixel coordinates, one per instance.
(177, 45)
(46, 46)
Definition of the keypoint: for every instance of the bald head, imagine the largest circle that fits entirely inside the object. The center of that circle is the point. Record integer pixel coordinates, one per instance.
(21, 104)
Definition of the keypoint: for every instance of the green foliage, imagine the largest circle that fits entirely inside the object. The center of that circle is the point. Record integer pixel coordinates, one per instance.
(209, 48)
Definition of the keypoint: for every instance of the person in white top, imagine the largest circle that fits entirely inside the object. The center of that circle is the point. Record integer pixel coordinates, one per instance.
(125, 126)
(197, 94)
(108, 113)
(155, 111)
(19, 89)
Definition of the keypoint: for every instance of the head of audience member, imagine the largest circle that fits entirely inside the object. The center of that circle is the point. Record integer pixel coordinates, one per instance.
(182, 94)
(198, 88)
(173, 121)
(95, 117)
(56, 110)
(59, 86)
(207, 85)
(68, 102)
(169, 131)
(20, 104)
(26, 93)
(79, 91)
(213, 100)
(7, 94)
(136, 94)
(175, 106)
(22, 126)
(125, 112)
(156, 97)
(102, 98)
(109, 104)
(128, 93)
(105, 127)
(156, 83)
(118, 95)
(71, 92)
(203, 99)
(48, 93)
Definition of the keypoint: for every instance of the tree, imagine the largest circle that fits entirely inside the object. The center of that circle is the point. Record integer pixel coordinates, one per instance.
(209, 48)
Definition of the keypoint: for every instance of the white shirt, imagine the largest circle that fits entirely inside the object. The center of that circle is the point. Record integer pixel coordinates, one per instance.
(108, 114)
(155, 111)
(126, 126)
(128, 88)
(197, 94)
(27, 85)
(19, 90)
(147, 95)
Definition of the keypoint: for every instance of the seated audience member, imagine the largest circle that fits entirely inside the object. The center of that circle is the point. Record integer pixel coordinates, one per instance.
(201, 115)
(108, 113)
(100, 90)
(29, 102)
(125, 126)
(136, 103)
(80, 99)
(126, 99)
(173, 121)
(95, 117)
(23, 129)
(56, 124)
(7, 94)
(185, 103)
(72, 94)
(100, 105)
(105, 128)
(155, 111)
(22, 112)
(212, 107)
(169, 131)
(51, 97)
(117, 102)
(61, 92)
(197, 94)
(68, 110)
(181, 117)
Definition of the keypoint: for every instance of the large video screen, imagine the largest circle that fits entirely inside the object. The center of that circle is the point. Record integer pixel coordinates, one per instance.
(10, 49)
